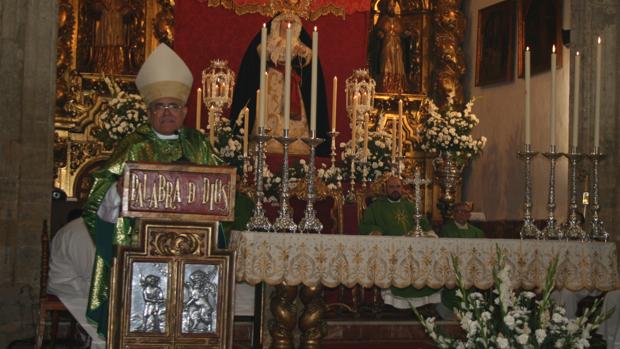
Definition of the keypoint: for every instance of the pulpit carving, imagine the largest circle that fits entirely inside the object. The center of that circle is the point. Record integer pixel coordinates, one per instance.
(175, 244)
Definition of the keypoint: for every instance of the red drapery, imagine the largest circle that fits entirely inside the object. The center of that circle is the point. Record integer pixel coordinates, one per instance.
(204, 33)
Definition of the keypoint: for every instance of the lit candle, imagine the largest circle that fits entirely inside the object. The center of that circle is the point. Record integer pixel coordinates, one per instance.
(313, 83)
(334, 102)
(287, 79)
(597, 97)
(263, 68)
(400, 128)
(257, 112)
(394, 142)
(553, 96)
(366, 137)
(246, 129)
(576, 100)
(198, 107)
(211, 126)
(354, 125)
(528, 126)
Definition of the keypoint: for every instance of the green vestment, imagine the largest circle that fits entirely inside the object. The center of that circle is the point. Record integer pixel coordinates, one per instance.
(143, 145)
(244, 207)
(451, 230)
(394, 218)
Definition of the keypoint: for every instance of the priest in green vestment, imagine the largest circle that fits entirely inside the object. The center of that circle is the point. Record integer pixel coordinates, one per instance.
(392, 215)
(459, 227)
(164, 81)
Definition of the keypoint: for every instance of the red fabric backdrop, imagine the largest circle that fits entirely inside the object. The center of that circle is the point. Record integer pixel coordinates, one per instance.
(204, 33)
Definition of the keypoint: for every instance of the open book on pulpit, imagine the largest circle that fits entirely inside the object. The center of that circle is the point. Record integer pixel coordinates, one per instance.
(174, 288)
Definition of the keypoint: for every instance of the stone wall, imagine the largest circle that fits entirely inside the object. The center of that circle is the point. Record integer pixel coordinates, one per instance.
(27, 68)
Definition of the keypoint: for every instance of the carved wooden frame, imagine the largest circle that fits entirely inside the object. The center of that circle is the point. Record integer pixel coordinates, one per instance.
(521, 39)
(504, 13)
(177, 245)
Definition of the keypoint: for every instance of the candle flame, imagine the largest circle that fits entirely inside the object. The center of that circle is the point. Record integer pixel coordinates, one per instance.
(599, 40)
(577, 54)
(289, 25)
(264, 25)
(315, 28)
(527, 48)
(553, 48)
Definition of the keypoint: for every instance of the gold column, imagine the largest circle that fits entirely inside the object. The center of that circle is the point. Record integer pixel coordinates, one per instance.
(311, 323)
(449, 23)
(284, 317)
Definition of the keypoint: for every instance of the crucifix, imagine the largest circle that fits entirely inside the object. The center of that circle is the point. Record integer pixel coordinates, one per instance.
(418, 182)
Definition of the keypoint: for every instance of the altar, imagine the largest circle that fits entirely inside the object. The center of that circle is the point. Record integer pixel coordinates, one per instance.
(312, 260)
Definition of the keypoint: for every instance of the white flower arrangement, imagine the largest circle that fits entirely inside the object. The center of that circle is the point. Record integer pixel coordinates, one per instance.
(379, 154)
(121, 116)
(448, 129)
(502, 319)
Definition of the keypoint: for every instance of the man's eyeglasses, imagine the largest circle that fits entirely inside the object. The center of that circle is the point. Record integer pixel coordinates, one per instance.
(160, 107)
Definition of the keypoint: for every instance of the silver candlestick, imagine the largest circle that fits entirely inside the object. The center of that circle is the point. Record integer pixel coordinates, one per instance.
(552, 230)
(246, 165)
(259, 222)
(529, 230)
(597, 231)
(310, 223)
(333, 135)
(418, 182)
(351, 195)
(572, 228)
(284, 222)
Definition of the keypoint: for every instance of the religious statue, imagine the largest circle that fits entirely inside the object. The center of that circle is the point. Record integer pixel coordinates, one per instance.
(110, 31)
(391, 31)
(153, 299)
(248, 83)
(200, 306)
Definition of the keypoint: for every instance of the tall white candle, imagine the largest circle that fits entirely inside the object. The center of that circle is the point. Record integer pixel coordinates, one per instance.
(211, 126)
(198, 107)
(366, 127)
(354, 125)
(528, 126)
(263, 69)
(553, 98)
(246, 129)
(394, 142)
(287, 79)
(576, 100)
(597, 97)
(334, 102)
(400, 128)
(313, 83)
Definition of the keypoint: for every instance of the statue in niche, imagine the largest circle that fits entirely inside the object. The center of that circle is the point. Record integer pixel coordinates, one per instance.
(395, 50)
(199, 307)
(111, 36)
(248, 82)
(153, 300)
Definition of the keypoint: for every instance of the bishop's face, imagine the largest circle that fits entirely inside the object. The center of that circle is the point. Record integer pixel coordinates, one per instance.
(166, 115)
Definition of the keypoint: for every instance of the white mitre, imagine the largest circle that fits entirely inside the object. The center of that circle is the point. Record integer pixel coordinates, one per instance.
(164, 74)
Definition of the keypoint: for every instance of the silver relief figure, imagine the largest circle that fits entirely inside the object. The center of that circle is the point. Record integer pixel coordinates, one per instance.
(148, 297)
(153, 303)
(200, 299)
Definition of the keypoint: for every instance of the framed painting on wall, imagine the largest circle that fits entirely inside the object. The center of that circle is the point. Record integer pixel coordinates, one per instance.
(540, 27)
(495, 43)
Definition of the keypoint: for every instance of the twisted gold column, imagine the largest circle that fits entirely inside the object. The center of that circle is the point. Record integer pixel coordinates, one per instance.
(449, 23)
(284, 312)
(311, 323)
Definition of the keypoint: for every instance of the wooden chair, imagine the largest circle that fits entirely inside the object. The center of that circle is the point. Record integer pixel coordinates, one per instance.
(47, 302)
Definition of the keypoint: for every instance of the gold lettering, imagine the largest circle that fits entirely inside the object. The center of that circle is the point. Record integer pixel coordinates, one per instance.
(168, 202)
(191, 192)
(213, 192)
(161, 193)
(224, 194)
(206, 186)
(153, 203)
(177, 191)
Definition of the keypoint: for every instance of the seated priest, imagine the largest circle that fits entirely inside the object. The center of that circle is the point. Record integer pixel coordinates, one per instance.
(392, 215)
(70, 267)
(458, 227)
(164, 81)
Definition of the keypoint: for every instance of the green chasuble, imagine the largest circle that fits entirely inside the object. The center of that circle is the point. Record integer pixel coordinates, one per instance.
(451, 230)
(143, 145)
(244, 207)
(394, 218)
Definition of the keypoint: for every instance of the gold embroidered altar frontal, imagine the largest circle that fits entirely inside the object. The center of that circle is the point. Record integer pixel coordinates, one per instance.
(330, 260)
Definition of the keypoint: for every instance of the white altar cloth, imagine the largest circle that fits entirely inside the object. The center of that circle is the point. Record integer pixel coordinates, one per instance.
(385, 261)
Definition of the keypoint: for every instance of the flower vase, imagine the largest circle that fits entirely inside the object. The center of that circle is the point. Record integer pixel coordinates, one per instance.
(448, 172)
